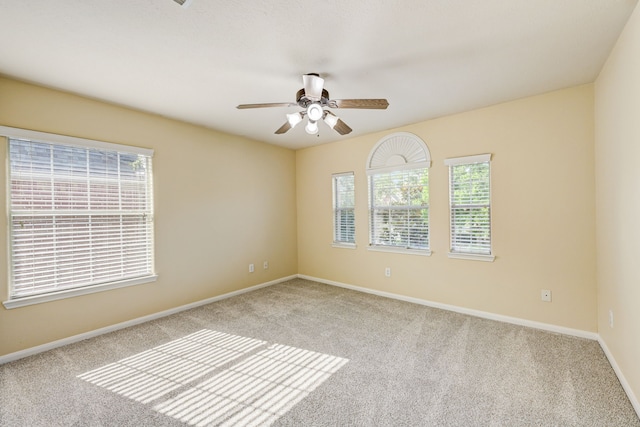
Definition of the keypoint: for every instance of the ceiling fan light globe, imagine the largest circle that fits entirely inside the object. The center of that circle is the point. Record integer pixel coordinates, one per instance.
(294, 119)
(311, 128)
(331, 120)
(315, 112)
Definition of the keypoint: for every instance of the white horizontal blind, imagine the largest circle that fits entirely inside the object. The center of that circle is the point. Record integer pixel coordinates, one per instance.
(399, 202)
(80, 216)
(344, 228)
(469, 196)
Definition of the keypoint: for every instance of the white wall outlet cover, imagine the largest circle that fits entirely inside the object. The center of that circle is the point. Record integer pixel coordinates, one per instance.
(611, 318)
(546, 295)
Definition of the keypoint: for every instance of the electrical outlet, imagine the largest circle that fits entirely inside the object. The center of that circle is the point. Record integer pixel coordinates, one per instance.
(266, 265)
(546, 295)
(251, 268)
(611, 318)
(387, 271)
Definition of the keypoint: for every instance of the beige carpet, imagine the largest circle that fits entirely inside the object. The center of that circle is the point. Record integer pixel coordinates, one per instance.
(306, 354)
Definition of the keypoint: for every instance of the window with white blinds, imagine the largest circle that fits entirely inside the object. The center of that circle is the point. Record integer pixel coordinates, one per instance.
(399, 203)
(470, 205)
(80, 216)
(344, 227)
(398, 171)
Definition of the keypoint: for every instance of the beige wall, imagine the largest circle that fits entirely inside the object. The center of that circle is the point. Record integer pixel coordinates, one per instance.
(543, 201)
(221, 202)
(543, 212)
(617, 142)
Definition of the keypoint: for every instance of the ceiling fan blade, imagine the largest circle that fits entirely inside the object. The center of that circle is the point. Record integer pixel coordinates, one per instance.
(313, 85)
(272, 104)
(342, 128)
(336, 124)
(372, 104)
(282, 129)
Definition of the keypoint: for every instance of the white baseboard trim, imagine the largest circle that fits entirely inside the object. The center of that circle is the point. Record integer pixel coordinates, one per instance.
(625, 385)
(477, 313)
(86, 335)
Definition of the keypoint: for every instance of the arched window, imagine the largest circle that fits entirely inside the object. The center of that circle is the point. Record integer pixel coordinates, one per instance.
(398, 171)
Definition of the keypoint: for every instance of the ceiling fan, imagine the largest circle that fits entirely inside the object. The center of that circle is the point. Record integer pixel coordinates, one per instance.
(313, 97)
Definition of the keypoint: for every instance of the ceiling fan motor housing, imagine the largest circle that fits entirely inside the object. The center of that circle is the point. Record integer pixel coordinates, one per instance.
(304, 102)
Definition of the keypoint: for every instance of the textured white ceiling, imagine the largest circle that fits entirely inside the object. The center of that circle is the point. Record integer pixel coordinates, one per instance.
(427, 57)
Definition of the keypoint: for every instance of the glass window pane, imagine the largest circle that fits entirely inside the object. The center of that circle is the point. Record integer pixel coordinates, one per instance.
(344, 208)
(79, 217)
(400, 209)
(470, 209)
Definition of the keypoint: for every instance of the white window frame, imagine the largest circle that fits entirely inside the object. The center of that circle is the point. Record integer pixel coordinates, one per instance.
(455, 252)
(339, 207)
(14, 300)
(397, 153)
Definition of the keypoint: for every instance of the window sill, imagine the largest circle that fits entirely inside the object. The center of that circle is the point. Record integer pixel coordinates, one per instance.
(473, 257)
(344, 245)
(397, 250)
(70, 293)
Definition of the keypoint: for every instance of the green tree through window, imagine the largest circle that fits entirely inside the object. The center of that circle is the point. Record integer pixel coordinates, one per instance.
(398, 170)
(344, 229)
(400, 209)
(470, 208)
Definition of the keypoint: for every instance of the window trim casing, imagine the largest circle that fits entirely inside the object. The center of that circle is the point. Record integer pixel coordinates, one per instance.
(384, 160)
(464, 160)
(7, 133)
(69, 293)
(335, 243)
(46, 137)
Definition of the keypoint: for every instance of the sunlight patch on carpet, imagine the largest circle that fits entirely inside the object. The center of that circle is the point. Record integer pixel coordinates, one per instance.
(214, 378)
(153, 373)
(256, 391)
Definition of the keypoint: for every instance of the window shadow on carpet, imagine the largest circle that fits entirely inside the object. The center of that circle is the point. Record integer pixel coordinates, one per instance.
(215, 378)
